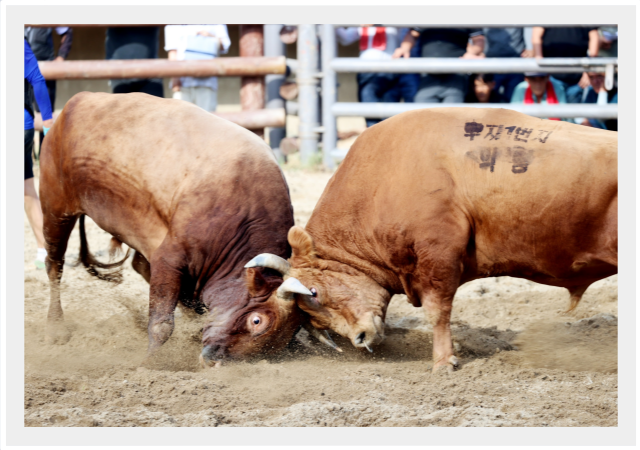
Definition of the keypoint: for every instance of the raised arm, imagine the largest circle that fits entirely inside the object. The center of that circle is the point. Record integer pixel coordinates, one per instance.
(65, 42)
(475, 49)
(404, 51)
(536, 39)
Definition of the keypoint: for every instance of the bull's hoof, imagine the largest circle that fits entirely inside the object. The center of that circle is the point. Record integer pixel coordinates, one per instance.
(450, 365)
(57, 334)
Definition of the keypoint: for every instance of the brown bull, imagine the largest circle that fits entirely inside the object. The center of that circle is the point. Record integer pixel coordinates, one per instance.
(194, 195)
(430, 199)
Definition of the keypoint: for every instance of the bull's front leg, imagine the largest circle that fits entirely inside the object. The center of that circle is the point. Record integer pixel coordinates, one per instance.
(436, 285)
(166, 286)
(437, 306)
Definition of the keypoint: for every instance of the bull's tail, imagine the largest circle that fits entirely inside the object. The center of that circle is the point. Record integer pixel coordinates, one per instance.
(107, 272)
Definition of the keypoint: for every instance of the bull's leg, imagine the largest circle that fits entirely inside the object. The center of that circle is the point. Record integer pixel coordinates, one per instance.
(437, 303)
(437, 278)
(166, 287)
(56, 235)
(141, 265)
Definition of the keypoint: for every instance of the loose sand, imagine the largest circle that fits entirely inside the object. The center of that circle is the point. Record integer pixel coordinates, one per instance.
(524, 362)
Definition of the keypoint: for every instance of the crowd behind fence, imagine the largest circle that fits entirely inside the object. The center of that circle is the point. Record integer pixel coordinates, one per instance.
(315, 71)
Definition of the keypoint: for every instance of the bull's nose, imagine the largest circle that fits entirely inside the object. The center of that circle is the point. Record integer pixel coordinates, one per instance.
(211, 356)
(361, 339)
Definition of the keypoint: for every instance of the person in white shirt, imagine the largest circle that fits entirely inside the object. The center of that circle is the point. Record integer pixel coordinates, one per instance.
(183, 42)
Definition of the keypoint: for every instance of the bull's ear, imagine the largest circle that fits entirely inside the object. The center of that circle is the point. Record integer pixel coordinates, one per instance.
(256, 283)
(301, 245)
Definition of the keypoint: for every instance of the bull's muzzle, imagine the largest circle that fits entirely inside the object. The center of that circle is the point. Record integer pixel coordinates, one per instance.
(369, 333)
(211, 356)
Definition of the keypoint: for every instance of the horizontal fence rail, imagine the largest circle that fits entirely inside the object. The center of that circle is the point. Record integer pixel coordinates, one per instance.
(162, 68)
(252, 119)
(494, 25)
(485, 65)
(98, 25)
(569, 110)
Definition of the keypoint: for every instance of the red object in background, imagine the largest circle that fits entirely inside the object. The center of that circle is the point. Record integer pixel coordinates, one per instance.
(551, 97)
(379, 39)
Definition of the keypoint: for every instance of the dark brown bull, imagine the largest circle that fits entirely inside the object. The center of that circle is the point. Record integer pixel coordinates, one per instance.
(430, 199)
(194, 195)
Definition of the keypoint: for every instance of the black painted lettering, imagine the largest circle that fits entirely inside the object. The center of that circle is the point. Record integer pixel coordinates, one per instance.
(523, 133)
(543, 135)
(510, 130)
(473, 129)
(494, 136)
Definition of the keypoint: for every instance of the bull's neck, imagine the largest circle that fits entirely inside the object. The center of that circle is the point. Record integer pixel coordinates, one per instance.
(359, 257)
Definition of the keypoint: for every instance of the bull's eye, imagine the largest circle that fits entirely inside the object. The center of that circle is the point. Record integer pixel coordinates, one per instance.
(314, 292)
(257, 323)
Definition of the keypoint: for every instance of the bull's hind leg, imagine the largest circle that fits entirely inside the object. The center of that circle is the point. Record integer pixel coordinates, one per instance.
(56, 235)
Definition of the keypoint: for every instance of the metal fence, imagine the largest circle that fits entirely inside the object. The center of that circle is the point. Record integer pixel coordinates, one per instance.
(316, 72)
(309, 75)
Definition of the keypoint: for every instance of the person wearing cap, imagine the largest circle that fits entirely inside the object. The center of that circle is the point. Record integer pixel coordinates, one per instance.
(33, 80)
(538, 88)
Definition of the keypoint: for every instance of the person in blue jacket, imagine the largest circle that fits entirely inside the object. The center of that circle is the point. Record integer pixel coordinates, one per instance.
(34, 83)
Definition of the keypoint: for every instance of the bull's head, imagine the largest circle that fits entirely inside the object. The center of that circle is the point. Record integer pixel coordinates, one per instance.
(263, 324)
(335, 295)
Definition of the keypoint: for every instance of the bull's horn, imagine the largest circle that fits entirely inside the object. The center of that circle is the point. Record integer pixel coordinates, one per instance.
(321, 336)
(270, 261)
(291, 286)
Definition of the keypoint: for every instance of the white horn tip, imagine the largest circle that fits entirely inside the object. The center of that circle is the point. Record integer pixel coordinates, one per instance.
(293, 286)
(256, 262)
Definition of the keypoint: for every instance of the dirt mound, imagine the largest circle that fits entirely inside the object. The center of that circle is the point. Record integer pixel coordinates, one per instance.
(585, 345)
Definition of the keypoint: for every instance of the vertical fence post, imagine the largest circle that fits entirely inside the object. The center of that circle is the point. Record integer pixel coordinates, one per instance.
(273, 46)
(329, 95)
(252, 88)
(308, 98)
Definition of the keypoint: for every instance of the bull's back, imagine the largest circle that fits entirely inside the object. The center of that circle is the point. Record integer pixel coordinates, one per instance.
(132, 161)
(528, 188)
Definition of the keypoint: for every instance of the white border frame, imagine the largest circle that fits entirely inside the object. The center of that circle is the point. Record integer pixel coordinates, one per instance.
(13, 15)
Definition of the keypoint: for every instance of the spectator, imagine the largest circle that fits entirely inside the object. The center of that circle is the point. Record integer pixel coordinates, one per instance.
(569, 42)
(537, 87)
(134, 43)
(482, 89)
(409, 82)
(187, 42)
(608, 41)
(41, 43)
(443, 43)
(33, 81)
(596, 93)
(376, 43)
(505, 43)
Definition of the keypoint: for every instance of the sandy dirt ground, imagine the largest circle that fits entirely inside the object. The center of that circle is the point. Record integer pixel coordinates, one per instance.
(524, 362)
